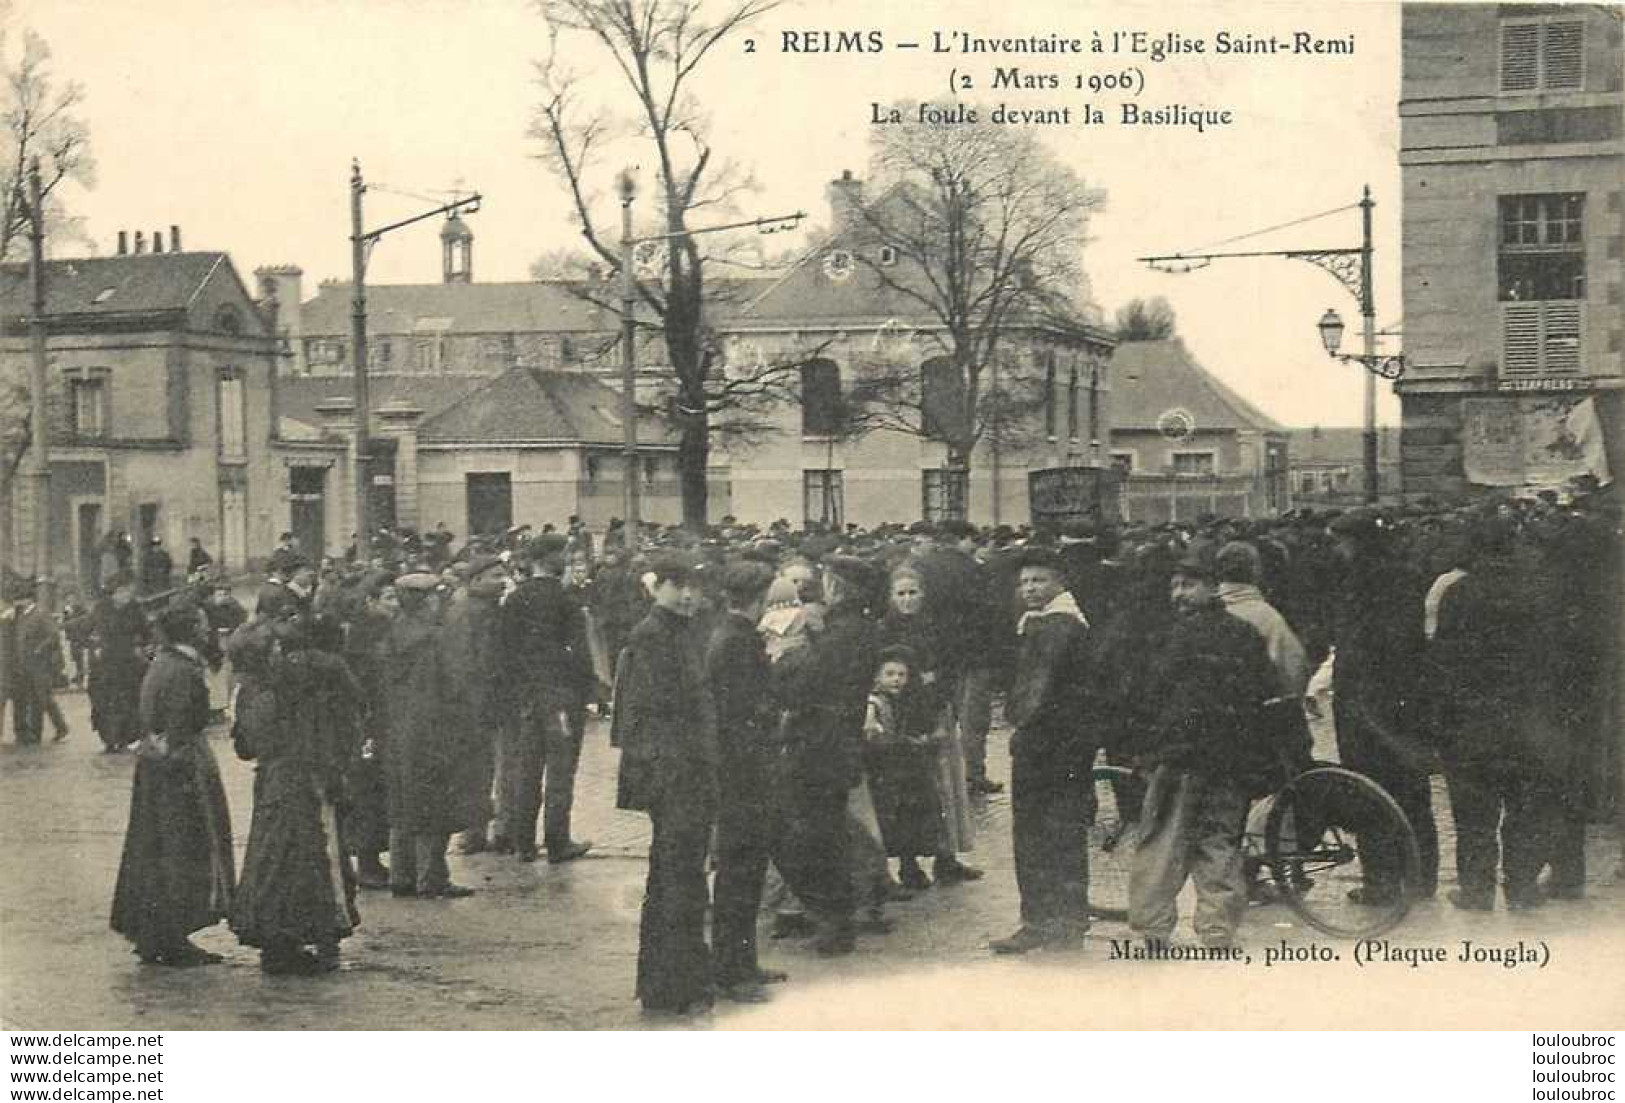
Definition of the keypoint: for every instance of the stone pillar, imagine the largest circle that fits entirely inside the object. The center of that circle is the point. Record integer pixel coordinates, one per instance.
(400, 422)
(338, 419)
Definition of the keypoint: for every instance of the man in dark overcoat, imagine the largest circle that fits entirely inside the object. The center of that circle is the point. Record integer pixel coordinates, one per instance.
(665, 726)
(1379, 637)
(748, 816)
(548, 676)
(1050, 760)
(425, 807)
(474, 647)
(824, 689)
(1506, 755)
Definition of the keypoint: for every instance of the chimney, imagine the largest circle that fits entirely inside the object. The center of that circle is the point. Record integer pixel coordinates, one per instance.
(157, 241)
(140, 243)
(287, 281)
(845, 201)
(123, 242)
(174, 238)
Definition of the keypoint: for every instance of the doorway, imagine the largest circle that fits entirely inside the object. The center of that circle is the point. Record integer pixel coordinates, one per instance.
(490, 502)
(87, 537)
(307, 507)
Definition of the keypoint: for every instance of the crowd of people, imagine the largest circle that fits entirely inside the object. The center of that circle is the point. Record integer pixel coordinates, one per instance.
(807, 713)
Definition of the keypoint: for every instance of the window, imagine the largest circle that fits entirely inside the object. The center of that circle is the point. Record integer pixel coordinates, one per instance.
(1193, 463)
(823, 497)
(820, 399)
(233, 417)
(380, 351)
(228, 319)
(1306, 482)
(1541, 55)
(1541, 282)
(651, 468)
(89, 407)
(423, 354)
(1047, 359)
(888, 256)
(1124, 462)
(940, 398)
(942, 494)
(1072, 404)
(594, 469)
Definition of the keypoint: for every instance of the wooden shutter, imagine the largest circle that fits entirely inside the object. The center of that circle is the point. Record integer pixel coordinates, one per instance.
(1520, 57)
(1562, 55)
(1560, 337)
(1520, 339)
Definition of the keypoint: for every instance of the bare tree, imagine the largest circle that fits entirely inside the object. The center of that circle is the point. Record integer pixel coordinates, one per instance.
(654, 48)
(1145, 320)
(979, 229)
(38, 115)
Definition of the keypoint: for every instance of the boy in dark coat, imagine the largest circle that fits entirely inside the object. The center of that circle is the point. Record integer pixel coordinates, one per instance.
(665, 725)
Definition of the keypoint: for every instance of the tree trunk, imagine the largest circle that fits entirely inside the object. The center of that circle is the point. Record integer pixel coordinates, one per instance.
(693, 468)
(6, 483)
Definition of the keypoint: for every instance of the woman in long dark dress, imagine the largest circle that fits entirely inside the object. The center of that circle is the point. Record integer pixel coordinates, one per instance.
(919, 786)
(297, 889)
(176, 874)
(118, 664)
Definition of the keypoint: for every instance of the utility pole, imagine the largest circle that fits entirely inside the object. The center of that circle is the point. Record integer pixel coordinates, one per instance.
(631, 491)
(39, 378)
(358, 342)
(1351, 267)
(1368, 326)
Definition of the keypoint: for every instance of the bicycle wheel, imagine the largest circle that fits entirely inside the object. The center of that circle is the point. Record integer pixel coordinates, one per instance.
(1118, 793)
(1329, 830)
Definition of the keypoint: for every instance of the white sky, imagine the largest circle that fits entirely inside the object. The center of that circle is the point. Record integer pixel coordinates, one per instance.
(238, 121)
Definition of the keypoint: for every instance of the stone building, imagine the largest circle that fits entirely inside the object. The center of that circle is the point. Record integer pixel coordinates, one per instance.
(1326, 466)
(1512, 152)
(431, 344)
(1187, 444)
(162, 406)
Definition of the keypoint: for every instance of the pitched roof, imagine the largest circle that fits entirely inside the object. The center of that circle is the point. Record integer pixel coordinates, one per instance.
(300, 395)
(128, 284)
(1152, 377)
(402, 309)
(526, 405)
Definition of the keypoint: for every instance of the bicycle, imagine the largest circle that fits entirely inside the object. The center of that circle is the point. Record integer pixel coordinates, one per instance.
(1318, 831)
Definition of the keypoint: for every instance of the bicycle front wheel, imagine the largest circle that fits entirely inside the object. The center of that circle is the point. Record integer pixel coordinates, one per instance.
(1118, 794)
(1342, 853)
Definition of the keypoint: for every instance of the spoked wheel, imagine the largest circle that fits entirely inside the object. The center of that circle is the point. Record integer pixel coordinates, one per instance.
(1118, 794)
(1342, 853)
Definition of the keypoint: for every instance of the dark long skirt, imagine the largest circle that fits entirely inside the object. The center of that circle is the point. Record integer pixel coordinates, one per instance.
(177, 871)
(115, 700)
(902, 780)
(365, 829)
(296, 888)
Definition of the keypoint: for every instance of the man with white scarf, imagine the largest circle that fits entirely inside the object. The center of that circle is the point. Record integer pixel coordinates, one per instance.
(1051, 753)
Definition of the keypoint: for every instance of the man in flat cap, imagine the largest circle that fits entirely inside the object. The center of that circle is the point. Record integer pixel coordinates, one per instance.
(1210, 753)
(548, 675)
(476, 654)
(1051, 757)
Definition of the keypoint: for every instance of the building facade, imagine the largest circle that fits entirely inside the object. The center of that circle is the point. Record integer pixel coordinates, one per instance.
(1513, 162)
(162, 416)
(1326, 467)
(1187, 444)
(431, 344)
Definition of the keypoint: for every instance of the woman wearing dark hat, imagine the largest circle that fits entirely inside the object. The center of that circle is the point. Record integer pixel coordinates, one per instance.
(118, 663)
(296, 888)
(176, 874)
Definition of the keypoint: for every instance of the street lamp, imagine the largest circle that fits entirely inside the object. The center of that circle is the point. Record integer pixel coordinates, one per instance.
(1351, 267)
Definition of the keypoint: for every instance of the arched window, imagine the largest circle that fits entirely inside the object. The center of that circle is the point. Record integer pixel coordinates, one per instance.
(1047, 358)
(941, 397)
(1072, 403)
(820, 398)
